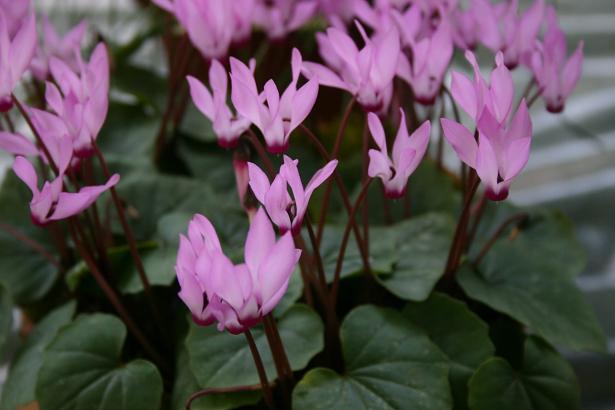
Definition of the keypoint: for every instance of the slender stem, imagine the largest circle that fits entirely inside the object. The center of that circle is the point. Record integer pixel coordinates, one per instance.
(9, 122)
(222, 390)
(477, 213)
(452, 100)
(516, 219)
(533, 98)
(29, 242)
(110, 294)
(131, 241)
(364, 178)
(316, 252)
(285, 374)
(334, 154)
(340, 258)
(26, 117)
(262, 375)
(262, 153)
(345, 197)
(457, 245)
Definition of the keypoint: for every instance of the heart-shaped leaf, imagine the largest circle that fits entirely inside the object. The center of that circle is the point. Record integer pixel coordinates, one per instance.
(546, 381)
(219, 359)
(82, 370)
(459, 333)
(389, 364)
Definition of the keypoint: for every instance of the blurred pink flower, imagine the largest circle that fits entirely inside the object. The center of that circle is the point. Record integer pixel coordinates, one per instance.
(51, 203)
(15, 13)
(82, 100)
(367, 73)
(408, 151)
(53, 45)
(17, 144)
(275, 116)
(227, 126)
(500, 153)
(286, 212)
(555, 76)
(235, 296)
(280, 17)
(475, 95)
(17, 45)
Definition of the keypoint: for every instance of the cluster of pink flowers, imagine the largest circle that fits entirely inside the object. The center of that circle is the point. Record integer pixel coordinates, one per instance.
(77, 97)
(405, 45)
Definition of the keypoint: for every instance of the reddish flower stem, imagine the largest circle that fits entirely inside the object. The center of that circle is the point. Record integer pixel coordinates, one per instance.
(334, 154)
(285, 374)
(9, 122)
(261, 152)
(262, 375)
(344, 243)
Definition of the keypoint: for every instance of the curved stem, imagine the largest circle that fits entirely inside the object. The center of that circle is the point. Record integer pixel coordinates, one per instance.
(26, 117)
(262, 375)
(340, 258)
(334, 154)
(516, 219)
(221, 390)
(29, 242)
(262, 153)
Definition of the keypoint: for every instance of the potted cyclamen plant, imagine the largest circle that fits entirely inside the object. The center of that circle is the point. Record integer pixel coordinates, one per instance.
(327, 254)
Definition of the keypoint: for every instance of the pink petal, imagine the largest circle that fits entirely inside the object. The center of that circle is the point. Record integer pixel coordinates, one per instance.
(385, 58)
(276, 202)
(319, 178)
(343, 45)
(23, 47)
(303, 102)
(464, 93)
(245, 100)
(218, 79)
(324, 75)
(461, 140)
(486, 163)
(201, 97)
(516, 155)
(259, 182)
(572, 71)
(70, 203)
(260, 240)
(17, 144)
(379, 165)
(377, 131)
(25, 171)
(503, 91)
(276, 270)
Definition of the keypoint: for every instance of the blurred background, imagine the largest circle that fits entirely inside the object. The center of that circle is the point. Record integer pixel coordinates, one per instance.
(572, 165)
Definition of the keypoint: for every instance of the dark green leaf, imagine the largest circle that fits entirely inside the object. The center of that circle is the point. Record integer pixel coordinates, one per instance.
(6, 319)
(19, 386)
(219, 359)
(536, 292)
(390, 364)
(27, 275)
(546, 381)
(459, 333)
(82, 370)
(186, 384)
(422, 244)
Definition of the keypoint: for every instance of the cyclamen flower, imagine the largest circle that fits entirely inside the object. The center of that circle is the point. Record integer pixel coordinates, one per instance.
(17, 144)
(429, 57)
(500, 153)
(367, 73)
(15, 12)
(51, 203)
(227, 126)
(286, 212)
(466, 26)
(17, 45)
(235, 296)
(408, 151)
(502, 29)
(477, 95)
(275, 116)
(82, 101)
(280, 17)
(556, 77)
(53, 45)
(212, 25)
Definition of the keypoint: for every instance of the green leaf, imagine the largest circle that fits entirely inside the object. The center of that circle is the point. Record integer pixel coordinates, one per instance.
(82, 370)
(219, 359)
(186, 384)
(536, 292)
(27, 275)
(546, 381)
(6, 319)
(19, 386)
(390, 364)
(459, 333)
(422, 245)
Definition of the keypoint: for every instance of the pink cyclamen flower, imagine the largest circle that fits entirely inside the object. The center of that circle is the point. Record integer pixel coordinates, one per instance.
(17, 144)
(235, 296)
(466, 26)
(286, 212)
(276, 116)
(408, 151)
(82, 100)
(556, 77)
(213, 25)
(17, 45)
(430, 58)
(53, 45)
(15, 12)
(475, 95)
(227, 126)
(51, 203)
(367, 73)
(501, 28)
(281, 17)
(500, 153)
